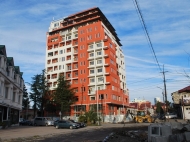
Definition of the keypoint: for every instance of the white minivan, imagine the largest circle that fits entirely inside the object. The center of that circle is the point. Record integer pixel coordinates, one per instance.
(43, 121)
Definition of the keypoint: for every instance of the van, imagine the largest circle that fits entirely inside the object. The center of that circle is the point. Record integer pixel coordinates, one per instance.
(43, 121)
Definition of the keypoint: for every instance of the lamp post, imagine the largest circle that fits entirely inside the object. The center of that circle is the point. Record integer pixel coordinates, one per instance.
(162, 92)
(97, 107)
(27, 110)
(82, 98)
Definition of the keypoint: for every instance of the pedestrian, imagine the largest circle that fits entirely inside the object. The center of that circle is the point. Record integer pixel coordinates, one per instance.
(69, 119)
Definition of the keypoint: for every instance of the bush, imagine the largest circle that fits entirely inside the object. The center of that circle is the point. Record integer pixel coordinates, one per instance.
(89, 117)
(3, 124)
(82, 118)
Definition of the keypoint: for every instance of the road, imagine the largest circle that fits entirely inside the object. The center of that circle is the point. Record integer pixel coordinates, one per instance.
(50, 134)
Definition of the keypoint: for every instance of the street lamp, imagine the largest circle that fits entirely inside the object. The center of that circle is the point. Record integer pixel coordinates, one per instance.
(97, 107)
(162, 92)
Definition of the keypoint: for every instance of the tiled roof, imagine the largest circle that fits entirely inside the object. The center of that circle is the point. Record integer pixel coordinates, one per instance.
(186, 89)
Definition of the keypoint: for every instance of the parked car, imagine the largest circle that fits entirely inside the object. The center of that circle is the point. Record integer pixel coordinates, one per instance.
(65, 124)
(26, 123)
(43, 121)
(171, 115)
(21, 119)
(81, 124)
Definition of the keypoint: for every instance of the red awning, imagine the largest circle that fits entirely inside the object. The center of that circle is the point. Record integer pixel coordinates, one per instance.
(186, 89)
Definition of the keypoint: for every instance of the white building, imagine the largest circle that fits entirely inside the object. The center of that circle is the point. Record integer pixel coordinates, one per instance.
(11, 88)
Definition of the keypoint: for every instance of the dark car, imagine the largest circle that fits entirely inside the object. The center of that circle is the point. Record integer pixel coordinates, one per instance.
(26, 123)
(81, 124)
(65, 124)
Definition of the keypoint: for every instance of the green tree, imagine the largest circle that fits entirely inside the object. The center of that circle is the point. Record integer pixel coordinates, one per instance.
(64, 96)
(159, 108)
(39, 92)
(25, 99)
(35, 94)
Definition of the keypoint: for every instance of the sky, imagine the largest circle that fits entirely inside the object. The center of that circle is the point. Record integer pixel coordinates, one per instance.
(23, 27)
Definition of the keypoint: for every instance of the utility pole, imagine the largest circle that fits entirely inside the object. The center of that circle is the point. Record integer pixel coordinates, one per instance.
(165, 92)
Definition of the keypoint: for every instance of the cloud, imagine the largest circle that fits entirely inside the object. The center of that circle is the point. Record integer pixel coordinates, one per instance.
(24, 26)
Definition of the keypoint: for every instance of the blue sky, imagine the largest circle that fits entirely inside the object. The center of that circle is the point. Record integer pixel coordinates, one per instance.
(24, 24)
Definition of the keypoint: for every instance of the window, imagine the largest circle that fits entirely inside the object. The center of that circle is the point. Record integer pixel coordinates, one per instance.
(68, 75)
(110, 45)
(90, 29)
(91, 54)
(76, 90)
(89, 37)
(75, 81)
(91, 71)
(13, 99)
(76, 73)
(99, 70)
(63, 58)
(100, 79)
(114, 97)
(90, 46)
(99, 44)
(97, 35)
(19, 99)
(68, 37)
(111, 61)
(99, 61)
(92, 80)
(99, 53)
(92, 98)
(61, 52)
(81, 47)
(112, 87)
(6, 92)
(56, 24)
(91, 62)
(63, 66)
(59, 67)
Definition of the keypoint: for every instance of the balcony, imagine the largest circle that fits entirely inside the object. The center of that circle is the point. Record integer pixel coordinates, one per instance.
(53, 77)
(106, 65)
(107, 83)
(105, 47)
(90, 50)
(98, 48)
(105, 38)
(50, 70)
(107, 73)
(106, 56)
(90, 57)
(91, 92)
(98, 56)
(75, 52)
(75, 59)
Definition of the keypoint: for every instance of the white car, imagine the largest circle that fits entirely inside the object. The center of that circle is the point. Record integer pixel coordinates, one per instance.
(171, 115)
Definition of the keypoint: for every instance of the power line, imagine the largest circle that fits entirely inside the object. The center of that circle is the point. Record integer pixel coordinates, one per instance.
(145, 30)
(142, 80)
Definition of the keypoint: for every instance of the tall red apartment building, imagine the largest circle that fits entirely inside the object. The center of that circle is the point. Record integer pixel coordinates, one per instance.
(84, 47)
